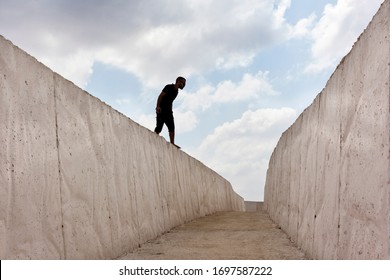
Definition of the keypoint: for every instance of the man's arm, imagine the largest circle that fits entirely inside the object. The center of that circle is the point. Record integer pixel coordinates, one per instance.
(160, 97)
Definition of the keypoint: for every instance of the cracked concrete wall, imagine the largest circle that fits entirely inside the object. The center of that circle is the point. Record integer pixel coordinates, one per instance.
(79, 180)
(328, 181)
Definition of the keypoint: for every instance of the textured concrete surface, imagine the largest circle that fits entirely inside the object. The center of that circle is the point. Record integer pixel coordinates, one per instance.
(253, 206)
(222, 236)
(79, 180)
(328, 182)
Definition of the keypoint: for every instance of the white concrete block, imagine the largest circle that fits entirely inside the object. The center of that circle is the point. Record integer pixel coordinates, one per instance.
(342, 146)
(364, 176)
(79, 180)
(30, 206)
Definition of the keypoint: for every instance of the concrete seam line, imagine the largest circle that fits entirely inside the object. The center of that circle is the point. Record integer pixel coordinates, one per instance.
(59, 162)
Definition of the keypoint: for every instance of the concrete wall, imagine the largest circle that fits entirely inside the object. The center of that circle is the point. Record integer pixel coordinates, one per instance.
(78, 180)
(328, 182)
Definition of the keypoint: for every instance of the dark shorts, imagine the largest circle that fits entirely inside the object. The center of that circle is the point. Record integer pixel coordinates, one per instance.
(166, 119)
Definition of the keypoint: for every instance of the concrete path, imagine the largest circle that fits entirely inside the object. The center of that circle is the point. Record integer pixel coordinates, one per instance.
(222, 236)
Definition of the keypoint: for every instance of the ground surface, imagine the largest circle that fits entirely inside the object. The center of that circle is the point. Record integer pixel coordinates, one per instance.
(222, 236)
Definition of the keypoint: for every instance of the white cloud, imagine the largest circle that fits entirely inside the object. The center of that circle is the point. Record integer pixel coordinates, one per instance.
(191, 36)
(303, 27)
(336, 31)
(76, 66)
(185, 121)
(240, 150)
(235, 60)
(251, 87)
(199, 100)
(281, 7)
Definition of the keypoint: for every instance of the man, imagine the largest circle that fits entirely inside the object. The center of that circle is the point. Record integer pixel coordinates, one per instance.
(164, 108)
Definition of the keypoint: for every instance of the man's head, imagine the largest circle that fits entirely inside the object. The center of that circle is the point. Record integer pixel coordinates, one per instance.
(180, 82)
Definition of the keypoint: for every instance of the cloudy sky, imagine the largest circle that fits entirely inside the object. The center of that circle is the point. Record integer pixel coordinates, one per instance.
(252, 66)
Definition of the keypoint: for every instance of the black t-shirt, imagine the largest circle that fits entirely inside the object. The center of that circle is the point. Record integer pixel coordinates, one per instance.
(167, 100)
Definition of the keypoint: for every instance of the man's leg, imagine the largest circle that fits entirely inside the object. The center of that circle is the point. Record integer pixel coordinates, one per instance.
(172, 137)
(171, 128)
(159, 123)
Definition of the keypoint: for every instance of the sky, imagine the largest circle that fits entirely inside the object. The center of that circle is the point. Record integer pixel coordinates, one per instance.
(252, 66)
